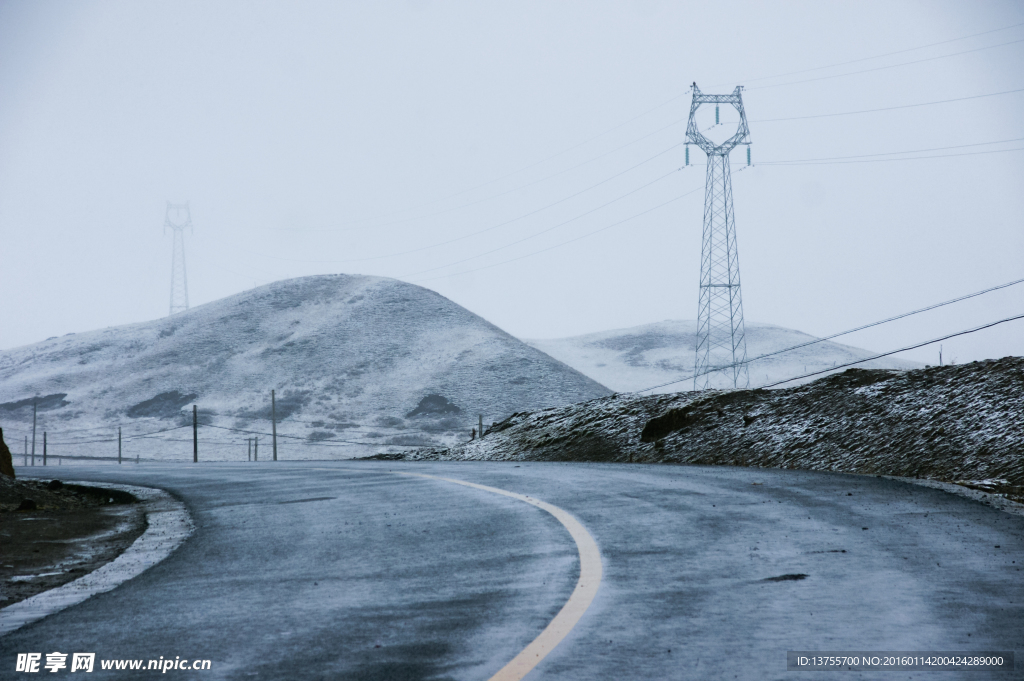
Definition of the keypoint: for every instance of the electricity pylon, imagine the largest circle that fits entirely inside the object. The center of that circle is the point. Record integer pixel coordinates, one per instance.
(721, 345)
(178, 217)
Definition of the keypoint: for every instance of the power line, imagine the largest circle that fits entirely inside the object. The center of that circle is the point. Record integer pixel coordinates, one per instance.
(188, 439)
(199, 255)
(502, 224)
(569, 241)
(893, 352)
(888, 160)
(894, 153)
(683, 94)
(346, 443)
(345, 425)
(498, 195)
(562, 200)
(507, 222)
(80, 430)
(890, 66)
(558, 245)
(297, 437)
(546, 159)
(549, 229)
(853, 330)
(154, 433)
(641, 115)
(114, 439)
(888, 108)
(82, 442)
(878, 56)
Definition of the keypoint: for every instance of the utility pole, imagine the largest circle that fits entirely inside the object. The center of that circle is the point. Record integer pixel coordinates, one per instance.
(256, 448)
(177, 218)
(119, 445)
(44, 447)
(33, 432)
(721, 341)
(25, 460)
(273, 423)
(480, 424)
(248, 456)
(195, 434)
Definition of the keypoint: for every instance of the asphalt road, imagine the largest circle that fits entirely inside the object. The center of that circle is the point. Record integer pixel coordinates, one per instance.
(347, 570)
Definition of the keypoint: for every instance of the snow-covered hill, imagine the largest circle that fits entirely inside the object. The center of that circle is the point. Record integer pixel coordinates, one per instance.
(352, 358)
(632, 359)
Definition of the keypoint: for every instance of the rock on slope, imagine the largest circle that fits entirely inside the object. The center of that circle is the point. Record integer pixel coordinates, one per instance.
(639, 357)
(947, 423)
(352, 358)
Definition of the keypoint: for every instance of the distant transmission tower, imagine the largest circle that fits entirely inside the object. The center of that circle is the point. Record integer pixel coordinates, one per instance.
(178, 218)
(721, 345)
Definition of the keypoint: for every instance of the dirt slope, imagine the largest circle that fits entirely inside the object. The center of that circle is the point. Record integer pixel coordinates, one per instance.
(953, 423)
(52, 533)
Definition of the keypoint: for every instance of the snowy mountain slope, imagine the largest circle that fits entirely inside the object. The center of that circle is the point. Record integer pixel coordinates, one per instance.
(350, 357)
(632, 359)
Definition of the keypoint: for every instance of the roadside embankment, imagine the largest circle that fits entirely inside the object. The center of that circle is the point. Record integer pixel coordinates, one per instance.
(962, 423)
(54, 533)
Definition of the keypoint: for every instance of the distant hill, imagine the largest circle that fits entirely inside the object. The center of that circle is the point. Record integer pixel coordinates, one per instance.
(352, 359)
(632, 359)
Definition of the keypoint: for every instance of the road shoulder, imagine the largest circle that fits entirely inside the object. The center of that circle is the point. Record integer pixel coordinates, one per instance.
(167, 526)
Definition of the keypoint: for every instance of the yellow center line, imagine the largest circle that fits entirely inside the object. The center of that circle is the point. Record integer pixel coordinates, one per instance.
(581, 598)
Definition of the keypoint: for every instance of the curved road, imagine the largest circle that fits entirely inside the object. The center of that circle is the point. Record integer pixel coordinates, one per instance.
(349, 570)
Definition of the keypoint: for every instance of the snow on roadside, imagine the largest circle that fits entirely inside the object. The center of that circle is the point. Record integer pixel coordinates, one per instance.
(960, 424)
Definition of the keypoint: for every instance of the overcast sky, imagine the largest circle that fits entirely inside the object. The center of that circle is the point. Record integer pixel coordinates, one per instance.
(522, 159)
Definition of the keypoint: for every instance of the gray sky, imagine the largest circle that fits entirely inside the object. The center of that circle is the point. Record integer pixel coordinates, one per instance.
(385, 138)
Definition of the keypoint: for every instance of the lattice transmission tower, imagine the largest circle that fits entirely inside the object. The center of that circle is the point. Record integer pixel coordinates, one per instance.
(721, 343)
(178, 217)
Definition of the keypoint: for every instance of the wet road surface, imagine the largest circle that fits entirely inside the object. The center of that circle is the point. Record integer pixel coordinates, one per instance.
(349, 570)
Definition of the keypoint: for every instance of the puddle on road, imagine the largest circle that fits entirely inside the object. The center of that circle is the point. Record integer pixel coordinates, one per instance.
(786, 578)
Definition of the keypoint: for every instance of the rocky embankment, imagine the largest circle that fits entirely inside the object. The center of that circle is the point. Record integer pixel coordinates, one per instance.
(961, 423)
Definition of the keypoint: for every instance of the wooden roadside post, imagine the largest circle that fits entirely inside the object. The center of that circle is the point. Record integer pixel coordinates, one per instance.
(44, 447)
(195, 434)
(119, 445)
(273, 423)
(33, 432)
